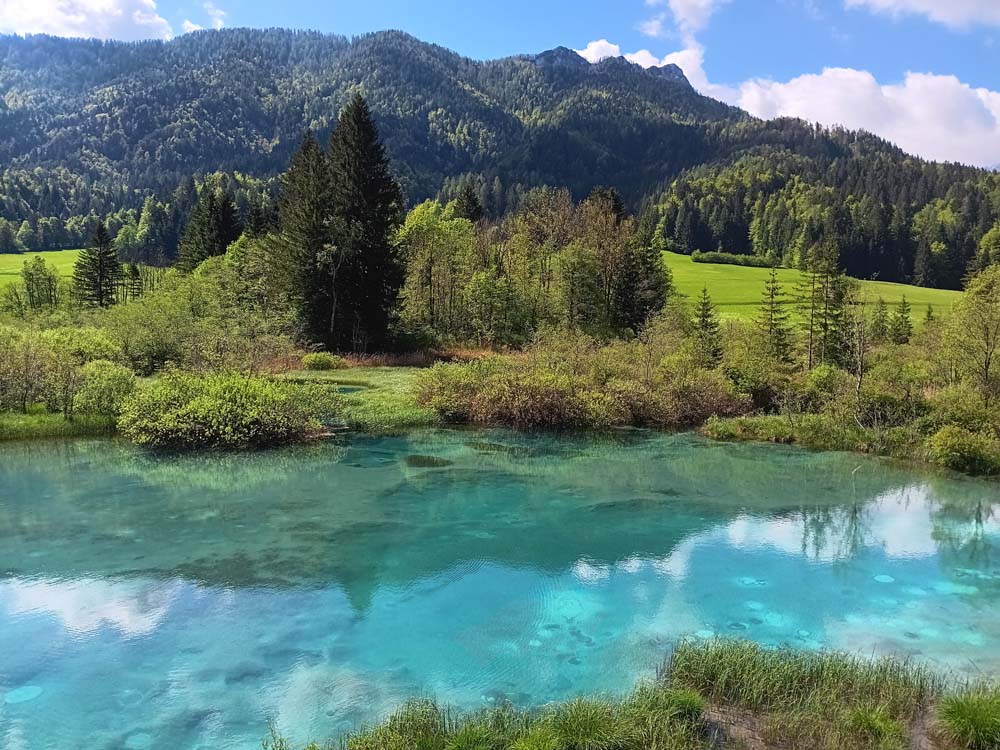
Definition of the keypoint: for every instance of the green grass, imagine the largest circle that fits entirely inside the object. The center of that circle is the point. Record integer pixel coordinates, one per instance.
(728, 695)
(39, 426)
(386, 402)
(736, 290)
(12, 263)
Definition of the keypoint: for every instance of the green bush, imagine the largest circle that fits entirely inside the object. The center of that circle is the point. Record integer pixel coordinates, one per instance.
(322, 361)
(732, 259)
(105, 387)
(971, 721)
(223, 411)
(959, 449)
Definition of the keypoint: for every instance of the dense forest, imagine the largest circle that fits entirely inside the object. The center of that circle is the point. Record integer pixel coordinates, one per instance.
(129, 133)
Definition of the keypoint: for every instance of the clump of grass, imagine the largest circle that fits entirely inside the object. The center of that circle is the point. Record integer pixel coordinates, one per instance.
(39, 426)
(874, 727)
(971, 720)
(323, 361)
(747, 675)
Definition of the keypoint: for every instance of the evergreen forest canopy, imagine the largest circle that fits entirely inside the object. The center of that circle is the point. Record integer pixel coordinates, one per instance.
(131, 134)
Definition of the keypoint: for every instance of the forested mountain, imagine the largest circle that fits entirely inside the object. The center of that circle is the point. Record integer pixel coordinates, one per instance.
(92, 129)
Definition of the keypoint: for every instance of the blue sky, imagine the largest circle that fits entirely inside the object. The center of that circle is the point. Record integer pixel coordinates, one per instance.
(924, 73)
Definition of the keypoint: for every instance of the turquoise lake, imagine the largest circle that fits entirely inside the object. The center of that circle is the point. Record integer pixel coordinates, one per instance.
(168, 602)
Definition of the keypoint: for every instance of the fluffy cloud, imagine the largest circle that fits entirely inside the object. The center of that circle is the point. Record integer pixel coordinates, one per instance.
(935, 116)
(954, 13)
(190, 26)
(217, 15)
(691, 15)
(103, 19)
(599, 50)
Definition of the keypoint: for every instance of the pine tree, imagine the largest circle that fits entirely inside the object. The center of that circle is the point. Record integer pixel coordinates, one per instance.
(467, 204)
(214, 226)
(708, 336)
(879, 328)
(367, 205)
(929, 317)
(98, 273)
(901, 326)
(773, 319)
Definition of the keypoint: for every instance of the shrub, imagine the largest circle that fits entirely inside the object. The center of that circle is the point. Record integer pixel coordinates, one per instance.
(105, 387)
(224, 411)
(962, 450)
(321, 361)
(971, 721)
(733, 259)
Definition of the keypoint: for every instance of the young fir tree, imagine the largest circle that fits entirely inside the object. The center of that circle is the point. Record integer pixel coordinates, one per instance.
(773, 319)
(367, 206)
(901, 326)
(929, 317)
(879, 329)
(98, 272)
(708, 336)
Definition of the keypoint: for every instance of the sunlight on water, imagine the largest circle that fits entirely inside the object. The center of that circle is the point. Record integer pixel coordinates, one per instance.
(156, 602)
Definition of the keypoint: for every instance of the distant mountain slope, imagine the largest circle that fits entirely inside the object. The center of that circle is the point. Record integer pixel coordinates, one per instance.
(89, 127)
(147, 114)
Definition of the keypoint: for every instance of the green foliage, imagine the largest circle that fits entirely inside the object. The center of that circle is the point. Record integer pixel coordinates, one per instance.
(962, 450)
(106, 385)
(971, 720)
(214, 225)
(708, 337)
(98, 273)
(222, 411)
(754, 261)
(321, 361)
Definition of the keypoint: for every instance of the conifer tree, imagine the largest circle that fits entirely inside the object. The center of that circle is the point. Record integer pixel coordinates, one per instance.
(929, 317)
(901, 326)
(214, 226)
(879, 329)
(773, 319)
(367, 206)
(304, 214)
(708, 336)
(467, 204)
(98, 272)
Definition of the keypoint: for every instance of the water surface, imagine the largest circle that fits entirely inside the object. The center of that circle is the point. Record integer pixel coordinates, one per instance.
(183, 602)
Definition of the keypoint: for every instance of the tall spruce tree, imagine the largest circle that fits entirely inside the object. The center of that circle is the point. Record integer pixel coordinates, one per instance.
(773, 319)
(367, 209)
(467, 204)
(304, 213)
(708, 336)
(97, 273)
(213, 227)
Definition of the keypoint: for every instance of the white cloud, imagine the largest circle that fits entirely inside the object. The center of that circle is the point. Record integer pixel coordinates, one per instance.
(102, 19)
(954, 13)
(190, 26)
(217, 15)
(652, 27)
(935, 116)
(599, 50)
(691, 15)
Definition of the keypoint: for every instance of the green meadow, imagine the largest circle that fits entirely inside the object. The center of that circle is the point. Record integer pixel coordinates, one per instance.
(736, 290)
(12, 263)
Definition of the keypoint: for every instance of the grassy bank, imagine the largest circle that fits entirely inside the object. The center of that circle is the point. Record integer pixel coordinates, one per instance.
(12, 263)
(736, 290)
(375, 399)
(42, 426)
(725, 694)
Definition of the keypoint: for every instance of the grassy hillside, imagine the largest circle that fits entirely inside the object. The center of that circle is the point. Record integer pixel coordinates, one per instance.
(11, 264)
(736, 290)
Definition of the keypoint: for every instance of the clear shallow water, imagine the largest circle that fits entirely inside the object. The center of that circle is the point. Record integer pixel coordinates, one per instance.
(182, 602)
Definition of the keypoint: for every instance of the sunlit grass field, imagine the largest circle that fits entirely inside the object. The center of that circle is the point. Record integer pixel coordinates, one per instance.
(736, 290)
(12, 263)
